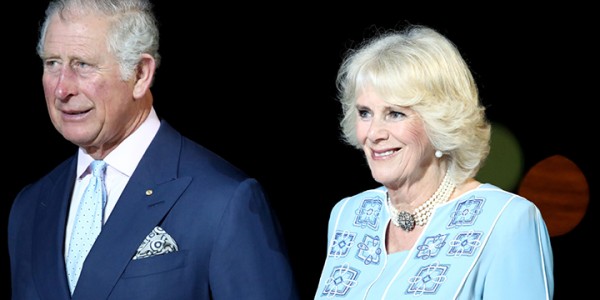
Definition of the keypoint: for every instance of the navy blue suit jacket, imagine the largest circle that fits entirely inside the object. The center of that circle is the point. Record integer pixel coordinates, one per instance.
(230, 243)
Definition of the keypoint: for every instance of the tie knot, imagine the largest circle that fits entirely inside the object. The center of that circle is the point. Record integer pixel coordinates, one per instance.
(98, 167)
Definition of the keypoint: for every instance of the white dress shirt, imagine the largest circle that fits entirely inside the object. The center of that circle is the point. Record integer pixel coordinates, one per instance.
(121, 162)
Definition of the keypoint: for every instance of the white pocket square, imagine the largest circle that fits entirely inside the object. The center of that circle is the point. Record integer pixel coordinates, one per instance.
(156, 243)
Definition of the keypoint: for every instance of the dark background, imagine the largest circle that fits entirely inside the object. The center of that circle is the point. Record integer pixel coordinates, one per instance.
(256, 85)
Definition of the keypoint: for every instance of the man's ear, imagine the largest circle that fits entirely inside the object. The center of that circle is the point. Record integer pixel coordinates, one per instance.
(144, 75)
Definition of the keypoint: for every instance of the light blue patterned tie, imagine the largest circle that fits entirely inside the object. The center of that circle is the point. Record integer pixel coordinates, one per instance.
(88, 222)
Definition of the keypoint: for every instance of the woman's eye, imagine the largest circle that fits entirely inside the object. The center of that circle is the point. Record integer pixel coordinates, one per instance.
(397, 115)
(364, 114)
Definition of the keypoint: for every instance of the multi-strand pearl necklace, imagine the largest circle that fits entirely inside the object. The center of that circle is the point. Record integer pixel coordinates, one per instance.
(407, 221)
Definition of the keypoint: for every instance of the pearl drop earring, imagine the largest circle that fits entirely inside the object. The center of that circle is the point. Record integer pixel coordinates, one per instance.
(438, 153)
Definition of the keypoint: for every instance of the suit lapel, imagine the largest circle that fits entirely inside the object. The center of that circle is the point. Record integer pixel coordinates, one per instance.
(49, 233)
(149, 195)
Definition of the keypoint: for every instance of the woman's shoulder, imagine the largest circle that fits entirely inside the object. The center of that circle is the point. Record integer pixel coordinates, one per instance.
(374, 194)
(492, 193)
(372, 198)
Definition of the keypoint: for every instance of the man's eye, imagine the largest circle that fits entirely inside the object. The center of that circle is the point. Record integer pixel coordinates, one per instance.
(81, 65)
(51, 65)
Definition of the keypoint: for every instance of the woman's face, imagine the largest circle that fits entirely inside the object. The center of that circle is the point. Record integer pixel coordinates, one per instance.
(393, 139)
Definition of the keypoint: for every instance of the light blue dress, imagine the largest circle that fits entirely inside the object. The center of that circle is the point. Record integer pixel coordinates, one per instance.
(486, 244)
